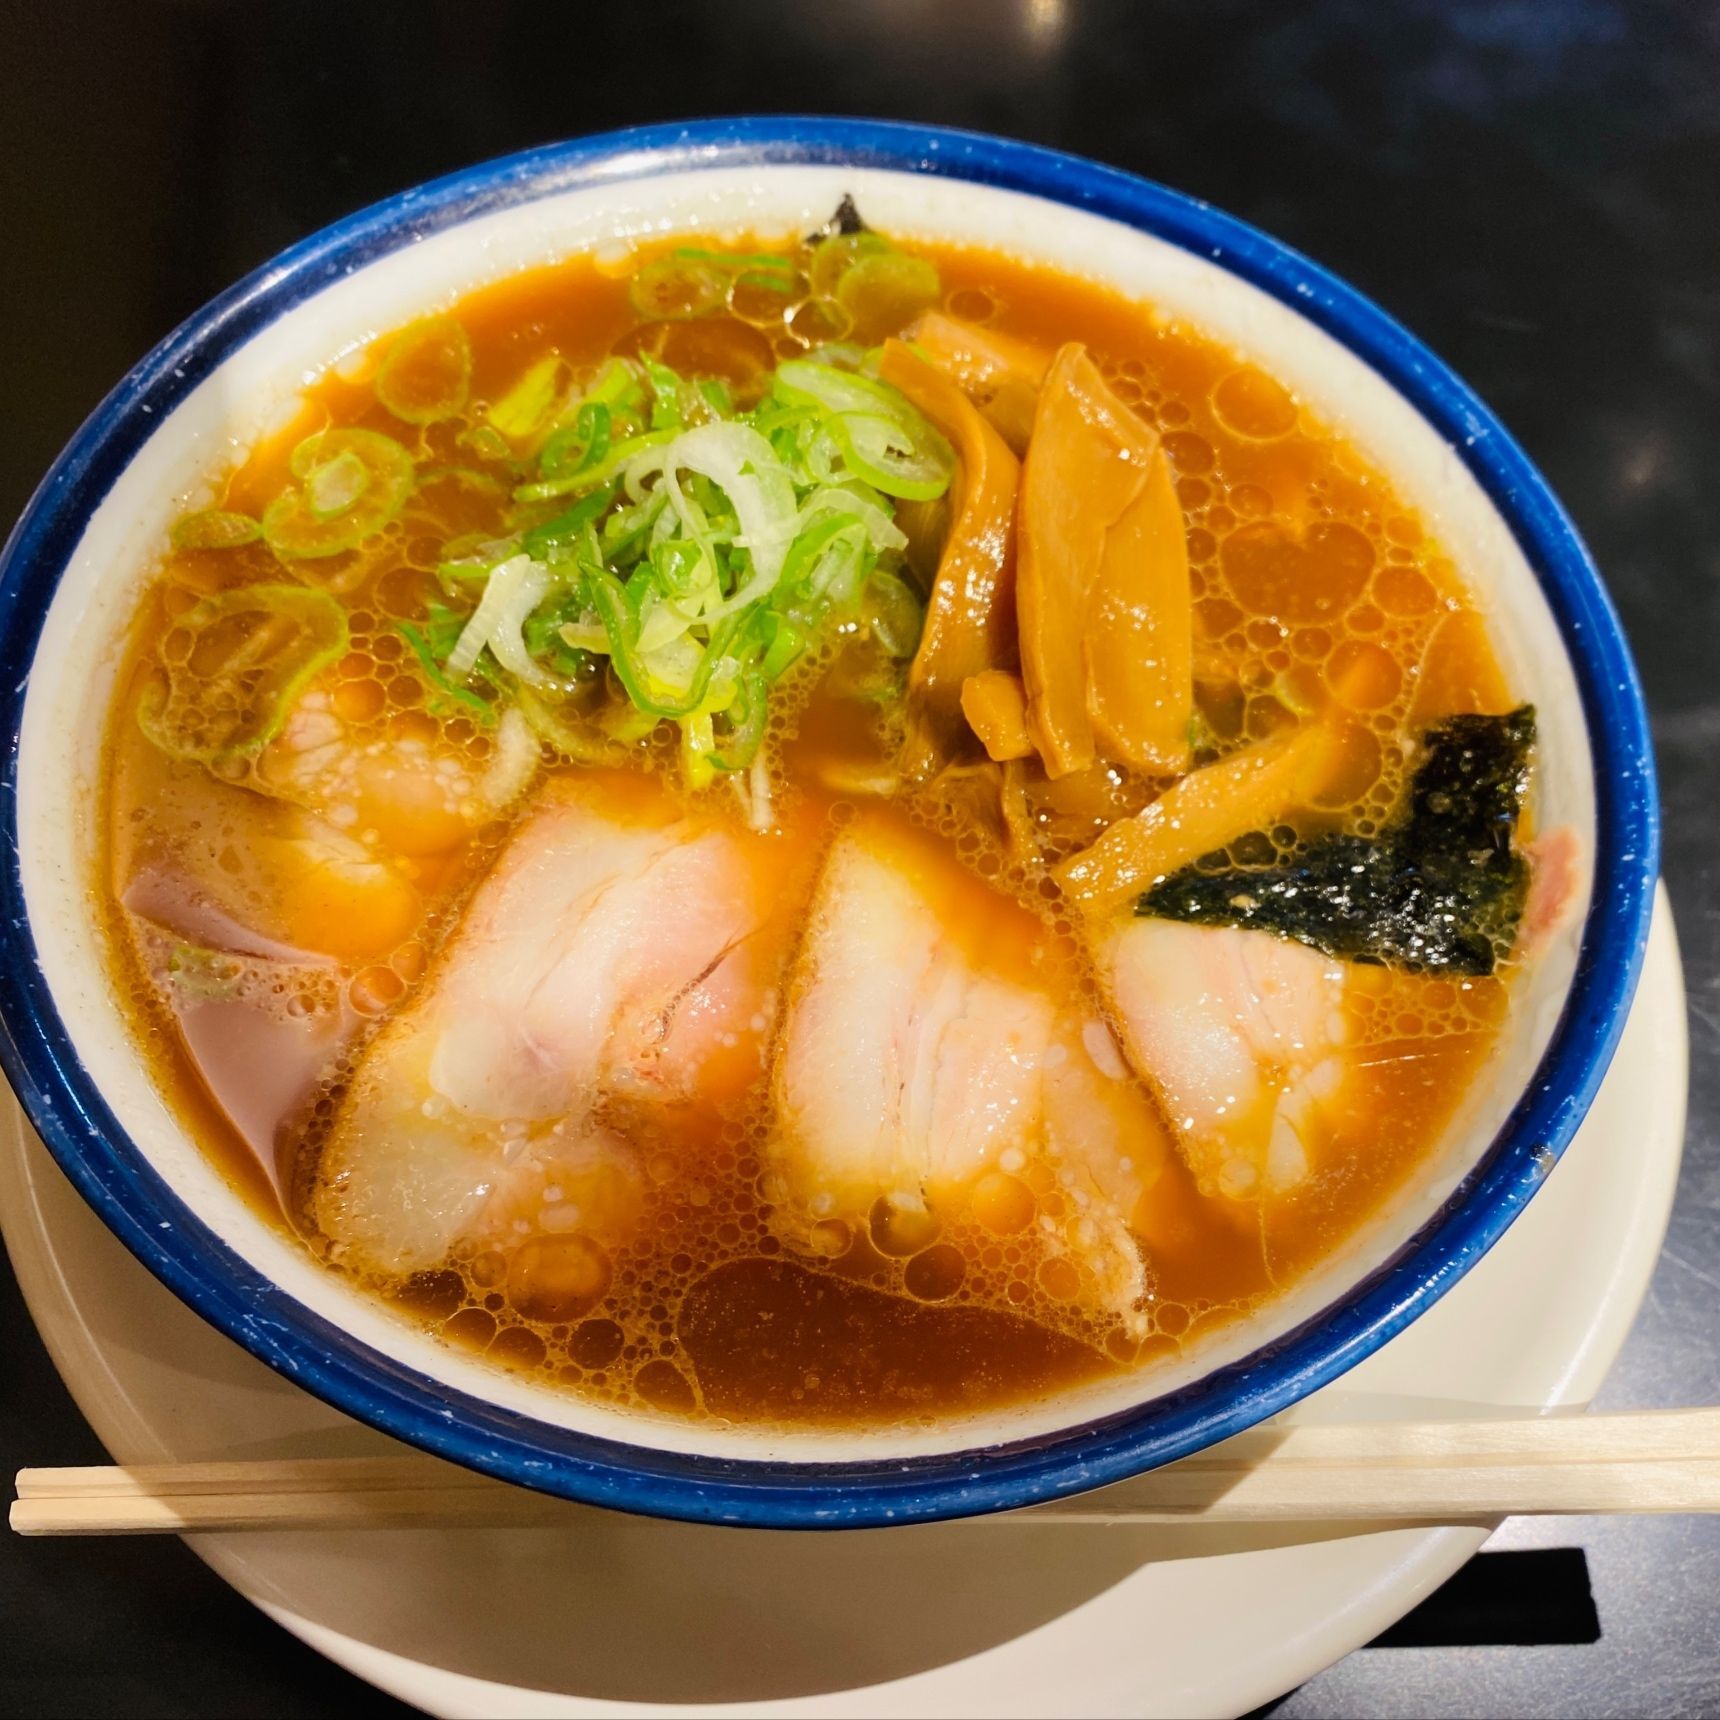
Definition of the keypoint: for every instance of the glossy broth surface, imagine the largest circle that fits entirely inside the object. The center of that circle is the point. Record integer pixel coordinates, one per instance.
(259, 967)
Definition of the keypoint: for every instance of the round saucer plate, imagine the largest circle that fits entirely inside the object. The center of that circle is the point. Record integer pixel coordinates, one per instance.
(611, 1616)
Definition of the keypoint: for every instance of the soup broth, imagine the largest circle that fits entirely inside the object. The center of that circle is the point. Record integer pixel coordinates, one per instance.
(830, 832)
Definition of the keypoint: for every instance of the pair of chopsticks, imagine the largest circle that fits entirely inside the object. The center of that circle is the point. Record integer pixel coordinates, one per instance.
(1408, 1472)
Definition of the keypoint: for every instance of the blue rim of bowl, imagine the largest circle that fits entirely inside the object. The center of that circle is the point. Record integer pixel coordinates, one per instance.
(65, 1107)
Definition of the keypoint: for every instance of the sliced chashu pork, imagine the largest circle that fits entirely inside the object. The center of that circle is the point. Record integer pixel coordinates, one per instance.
(1273, 1061)
(1243, 1033)
(619, 962)
(931, 1060)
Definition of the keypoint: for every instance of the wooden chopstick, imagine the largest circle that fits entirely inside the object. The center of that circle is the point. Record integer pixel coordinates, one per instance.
(1390, 1472)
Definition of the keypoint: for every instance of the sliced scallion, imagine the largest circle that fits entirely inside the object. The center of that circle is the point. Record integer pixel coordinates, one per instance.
(884, 440)
(591, 477)
(292, 525)
(571, 737)
(678, 286)
(894, 614)
(333, 486)
(513, 591)
(737, 748)
(215, 528)
(486, 441)
(561, 533)
(467, 477)
(530, 405)
(427, 373)
(888, 455)
(700, 553)
(447, 693)
(835, 256)
(886, 290)
(230, 668)
(580, 444)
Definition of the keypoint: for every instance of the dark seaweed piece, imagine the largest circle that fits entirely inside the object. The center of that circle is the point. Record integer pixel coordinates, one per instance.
(846, 220)
(1468, 790)
(1441, 891)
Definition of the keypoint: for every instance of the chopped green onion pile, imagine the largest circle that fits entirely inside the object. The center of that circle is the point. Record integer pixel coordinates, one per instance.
(665, 556)
(697, 551)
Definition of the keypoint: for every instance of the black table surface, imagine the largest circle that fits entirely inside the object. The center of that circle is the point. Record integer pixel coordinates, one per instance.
(1533, 186)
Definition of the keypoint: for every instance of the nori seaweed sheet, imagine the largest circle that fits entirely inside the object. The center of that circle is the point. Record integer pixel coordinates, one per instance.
(844, 222)
(1441, 891)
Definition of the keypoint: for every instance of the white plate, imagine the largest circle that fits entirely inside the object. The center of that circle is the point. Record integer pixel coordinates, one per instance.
(611, 1617)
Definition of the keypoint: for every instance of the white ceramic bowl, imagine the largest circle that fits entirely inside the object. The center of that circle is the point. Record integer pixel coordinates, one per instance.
(73, 570)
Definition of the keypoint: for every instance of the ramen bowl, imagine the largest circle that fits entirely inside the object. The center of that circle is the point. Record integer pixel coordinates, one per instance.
(72, 572)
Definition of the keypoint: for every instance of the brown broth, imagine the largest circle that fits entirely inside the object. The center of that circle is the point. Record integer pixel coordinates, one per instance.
(1304, 561)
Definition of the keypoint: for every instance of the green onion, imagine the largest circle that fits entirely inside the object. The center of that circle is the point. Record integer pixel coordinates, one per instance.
(231, 667)
(543, 638)
(620, 720)
(690, 282)
(769, 280)
(737, 749)
(336, 485)
(867, 283)
(886, 454)
(697, 743)
(487, 442)
(474, 556)
(787, 645)
(838, 390)
(887, 290)
(467, 477)
(677, 287)
(513, 590)
(573, 740)
(770, 263)
(894, 614)
(215, 528)
(443, 626)
(666, 391)
(579, 445)
(617, 608)
(529, 405)
(861, 502)
(292, 525)
(883, 438)
(625, 531)
(825, 558)
(566, 528)
(835, 256)
(616, 384)
(700, 553)
(427, 374)
(680, 567)
(450, 697)
(756, 486)
(572, 483)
